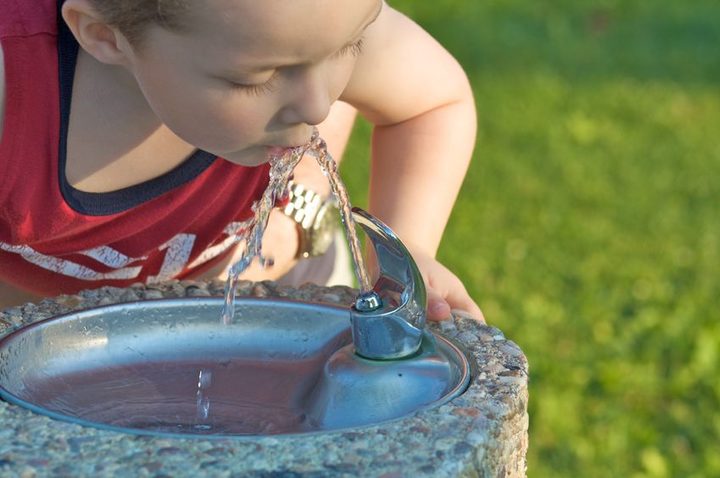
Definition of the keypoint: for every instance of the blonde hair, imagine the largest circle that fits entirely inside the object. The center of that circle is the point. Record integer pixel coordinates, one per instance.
(132, 17)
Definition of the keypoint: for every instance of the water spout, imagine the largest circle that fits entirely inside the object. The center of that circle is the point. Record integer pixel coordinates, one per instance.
(388, 322)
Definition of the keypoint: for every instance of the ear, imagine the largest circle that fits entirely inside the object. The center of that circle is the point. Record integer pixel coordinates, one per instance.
(104, 42)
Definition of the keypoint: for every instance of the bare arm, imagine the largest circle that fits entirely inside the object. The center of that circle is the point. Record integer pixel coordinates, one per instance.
(9, 295)
(420, 101)
(2, 90)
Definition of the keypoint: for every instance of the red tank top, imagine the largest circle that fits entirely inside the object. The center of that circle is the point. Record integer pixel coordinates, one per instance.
(55, 239)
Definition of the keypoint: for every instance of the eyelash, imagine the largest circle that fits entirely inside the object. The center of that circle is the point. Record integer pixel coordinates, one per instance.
(257, 90)
(354, 50)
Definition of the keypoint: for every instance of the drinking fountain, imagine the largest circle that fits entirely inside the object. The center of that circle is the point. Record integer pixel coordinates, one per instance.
(281, 367)
(309, 381)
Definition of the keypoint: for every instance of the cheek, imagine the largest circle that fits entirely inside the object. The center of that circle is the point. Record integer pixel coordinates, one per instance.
(209, 119)
(340, 78)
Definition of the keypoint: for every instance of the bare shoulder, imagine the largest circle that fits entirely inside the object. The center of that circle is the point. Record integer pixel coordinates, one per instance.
(2, 89)
(402, 71)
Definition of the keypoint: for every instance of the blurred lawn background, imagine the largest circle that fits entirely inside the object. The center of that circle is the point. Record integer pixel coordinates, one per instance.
(588, 227)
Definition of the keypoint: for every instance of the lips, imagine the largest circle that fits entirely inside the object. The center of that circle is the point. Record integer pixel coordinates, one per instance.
(289, 140)
(277, 150)
(280, 150)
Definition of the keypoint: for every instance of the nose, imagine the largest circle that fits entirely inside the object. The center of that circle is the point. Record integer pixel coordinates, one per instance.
(309, 99)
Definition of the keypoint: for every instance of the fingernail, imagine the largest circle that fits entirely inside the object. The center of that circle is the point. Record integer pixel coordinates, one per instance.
(438, 307)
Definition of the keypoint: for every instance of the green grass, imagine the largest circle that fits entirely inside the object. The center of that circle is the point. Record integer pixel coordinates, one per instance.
(588, 227)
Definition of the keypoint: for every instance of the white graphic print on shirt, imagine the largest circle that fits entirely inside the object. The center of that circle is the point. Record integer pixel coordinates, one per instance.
(177, 254)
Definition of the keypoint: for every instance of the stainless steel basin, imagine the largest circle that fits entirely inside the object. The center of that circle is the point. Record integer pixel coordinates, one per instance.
(170, 367)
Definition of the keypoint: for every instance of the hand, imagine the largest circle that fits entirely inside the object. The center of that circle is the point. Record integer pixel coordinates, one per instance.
(445, 291)
(280, 242)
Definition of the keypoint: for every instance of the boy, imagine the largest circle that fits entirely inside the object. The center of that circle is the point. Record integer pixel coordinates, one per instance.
(127, 185)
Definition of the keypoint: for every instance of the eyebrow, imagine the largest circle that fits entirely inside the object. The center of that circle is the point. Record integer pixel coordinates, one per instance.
(261, 68)
(370, 22)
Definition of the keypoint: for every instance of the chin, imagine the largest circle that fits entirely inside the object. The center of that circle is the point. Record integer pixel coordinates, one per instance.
(250, 157)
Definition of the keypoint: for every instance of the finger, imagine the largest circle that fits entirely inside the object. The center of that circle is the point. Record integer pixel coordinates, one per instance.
(438, 308)
(459, 299)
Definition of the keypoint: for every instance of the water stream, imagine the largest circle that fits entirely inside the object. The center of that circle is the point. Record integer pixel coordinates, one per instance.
(281, 168)
(330, 170)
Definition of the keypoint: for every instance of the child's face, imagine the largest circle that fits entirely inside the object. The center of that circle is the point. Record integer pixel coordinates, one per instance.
(251, 74)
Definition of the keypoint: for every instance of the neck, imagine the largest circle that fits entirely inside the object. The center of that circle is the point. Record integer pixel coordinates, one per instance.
(111, 96)
(113, 131)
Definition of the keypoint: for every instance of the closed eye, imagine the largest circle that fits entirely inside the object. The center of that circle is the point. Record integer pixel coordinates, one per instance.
(256, 90)
(353, 49)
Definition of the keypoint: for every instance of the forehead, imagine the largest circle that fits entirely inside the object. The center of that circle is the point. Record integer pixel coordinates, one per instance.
(281, 30)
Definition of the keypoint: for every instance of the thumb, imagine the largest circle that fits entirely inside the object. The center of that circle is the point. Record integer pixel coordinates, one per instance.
(437, 307)
(441, 306)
